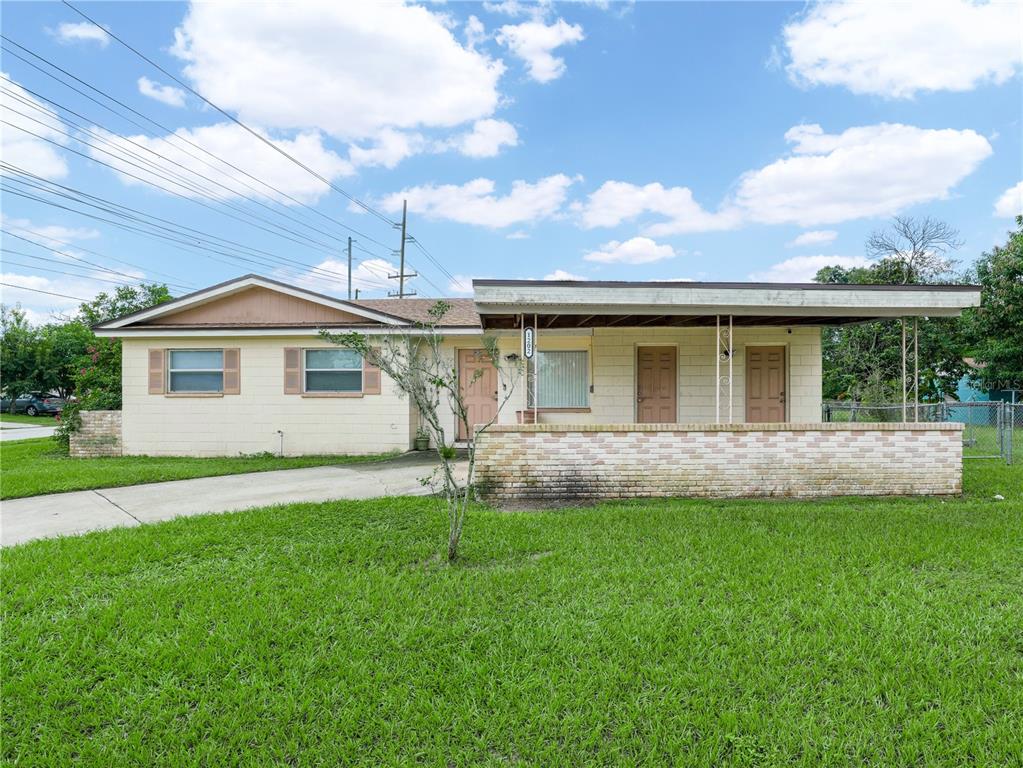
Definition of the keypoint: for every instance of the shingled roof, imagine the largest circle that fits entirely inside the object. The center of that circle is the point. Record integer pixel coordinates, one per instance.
(462, 312)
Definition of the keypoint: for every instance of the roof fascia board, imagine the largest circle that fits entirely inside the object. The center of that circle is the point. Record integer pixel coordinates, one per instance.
(705, 300)
(151, 332)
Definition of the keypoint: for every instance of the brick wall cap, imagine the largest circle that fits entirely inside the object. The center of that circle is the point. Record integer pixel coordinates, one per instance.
(910, 426)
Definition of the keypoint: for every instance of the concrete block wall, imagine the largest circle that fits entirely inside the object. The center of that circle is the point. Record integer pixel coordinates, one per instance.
(613, 372)
(246, 423)
(100, 435)
(612, 461)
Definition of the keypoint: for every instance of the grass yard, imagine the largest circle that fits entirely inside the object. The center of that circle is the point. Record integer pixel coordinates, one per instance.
(37, 466)
(21, 418)
(881, 632)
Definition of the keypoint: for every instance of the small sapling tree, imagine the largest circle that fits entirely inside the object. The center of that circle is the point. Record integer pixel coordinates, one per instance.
(426, 372)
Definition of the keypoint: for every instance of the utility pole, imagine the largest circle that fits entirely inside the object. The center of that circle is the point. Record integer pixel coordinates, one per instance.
(356, 294)
(402, 275)
(349, 269)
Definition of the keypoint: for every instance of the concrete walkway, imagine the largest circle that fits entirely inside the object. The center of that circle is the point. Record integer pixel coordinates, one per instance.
(24, 432)
(61, 514)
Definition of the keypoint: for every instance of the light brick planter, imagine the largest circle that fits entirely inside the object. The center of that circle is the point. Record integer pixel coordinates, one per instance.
(100, 435)
(613, 461)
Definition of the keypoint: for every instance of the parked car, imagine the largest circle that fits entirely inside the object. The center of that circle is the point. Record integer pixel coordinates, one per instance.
(34, 404)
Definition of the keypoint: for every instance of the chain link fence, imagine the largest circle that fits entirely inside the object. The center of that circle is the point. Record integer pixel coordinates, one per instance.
(990, 429)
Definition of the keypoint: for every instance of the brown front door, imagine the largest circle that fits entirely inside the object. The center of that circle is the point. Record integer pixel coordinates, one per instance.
(656, 388)
(477, 379)
(765, 384)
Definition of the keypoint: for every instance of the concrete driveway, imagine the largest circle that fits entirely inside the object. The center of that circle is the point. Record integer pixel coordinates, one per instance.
(62, 514)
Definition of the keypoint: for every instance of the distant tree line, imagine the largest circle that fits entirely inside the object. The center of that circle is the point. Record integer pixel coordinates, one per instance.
(863, 362)
(64, 356)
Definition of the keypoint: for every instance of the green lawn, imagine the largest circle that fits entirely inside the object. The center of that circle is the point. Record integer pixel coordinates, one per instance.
(881, 632)
(33, 467)
(21, 418)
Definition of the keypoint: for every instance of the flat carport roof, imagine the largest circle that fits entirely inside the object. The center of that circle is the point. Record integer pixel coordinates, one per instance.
(587, 304)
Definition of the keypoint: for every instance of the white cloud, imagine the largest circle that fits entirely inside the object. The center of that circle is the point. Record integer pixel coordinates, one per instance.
(460, 286)
(50, 232)
(486, 138)
(475, 202)
(813, 237)
(897, 49)
(475, 32)
(866, 171)
(801, 269)
(85, 31)
(236, 145)
(1010, 204)
(165, 94)
(618, 201)
(389, 148)
(19, 148)
(368, 275)
(560, 274)
(873, 170)
(42, 307)
(534, 41)
(638, 250)
(517, 235)
(348, 69)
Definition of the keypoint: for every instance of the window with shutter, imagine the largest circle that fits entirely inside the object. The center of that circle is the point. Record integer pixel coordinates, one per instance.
(292, 371)
(156, 374)
(232, 371)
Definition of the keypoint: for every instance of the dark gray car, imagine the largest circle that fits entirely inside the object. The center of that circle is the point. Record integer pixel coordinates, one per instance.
(34, 404)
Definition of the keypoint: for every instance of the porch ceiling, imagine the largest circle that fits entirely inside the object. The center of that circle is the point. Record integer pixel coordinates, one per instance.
(556, 320)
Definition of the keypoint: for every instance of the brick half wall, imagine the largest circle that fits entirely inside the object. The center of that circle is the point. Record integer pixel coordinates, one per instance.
(614, 461)
(100, 435)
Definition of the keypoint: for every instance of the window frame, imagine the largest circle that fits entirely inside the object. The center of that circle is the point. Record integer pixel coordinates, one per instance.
(171, 370)
(332, 392)
(587, 382)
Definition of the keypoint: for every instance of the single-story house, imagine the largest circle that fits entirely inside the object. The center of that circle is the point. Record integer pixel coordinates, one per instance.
(240, 368)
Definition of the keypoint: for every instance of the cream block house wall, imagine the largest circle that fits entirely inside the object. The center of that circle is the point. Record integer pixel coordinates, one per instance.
(613, 372)
(248, 422)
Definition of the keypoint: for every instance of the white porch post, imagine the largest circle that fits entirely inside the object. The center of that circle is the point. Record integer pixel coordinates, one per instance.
(722, 351)
(916, 370)
(911, 389)
(730, 356)
(717, 370)
(904, 393)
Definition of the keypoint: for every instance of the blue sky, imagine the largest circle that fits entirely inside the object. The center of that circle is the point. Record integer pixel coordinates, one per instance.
(647, 141)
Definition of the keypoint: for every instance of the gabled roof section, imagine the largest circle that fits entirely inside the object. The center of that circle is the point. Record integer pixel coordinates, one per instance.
(252, 301)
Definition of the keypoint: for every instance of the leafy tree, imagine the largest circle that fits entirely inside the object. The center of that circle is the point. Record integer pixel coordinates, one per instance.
(60, 346)
(863, 362)
(995, 328)
(19, 343)
(124, 300)
(97, 367)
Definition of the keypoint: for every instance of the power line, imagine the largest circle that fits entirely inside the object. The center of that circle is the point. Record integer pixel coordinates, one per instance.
(75, 258)
(181, 230)
(210, 154)
(366, 207)
(177, 283)
(232, 118)
(48, 293)
(188, 184)
(58, 271)
(166, 130)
